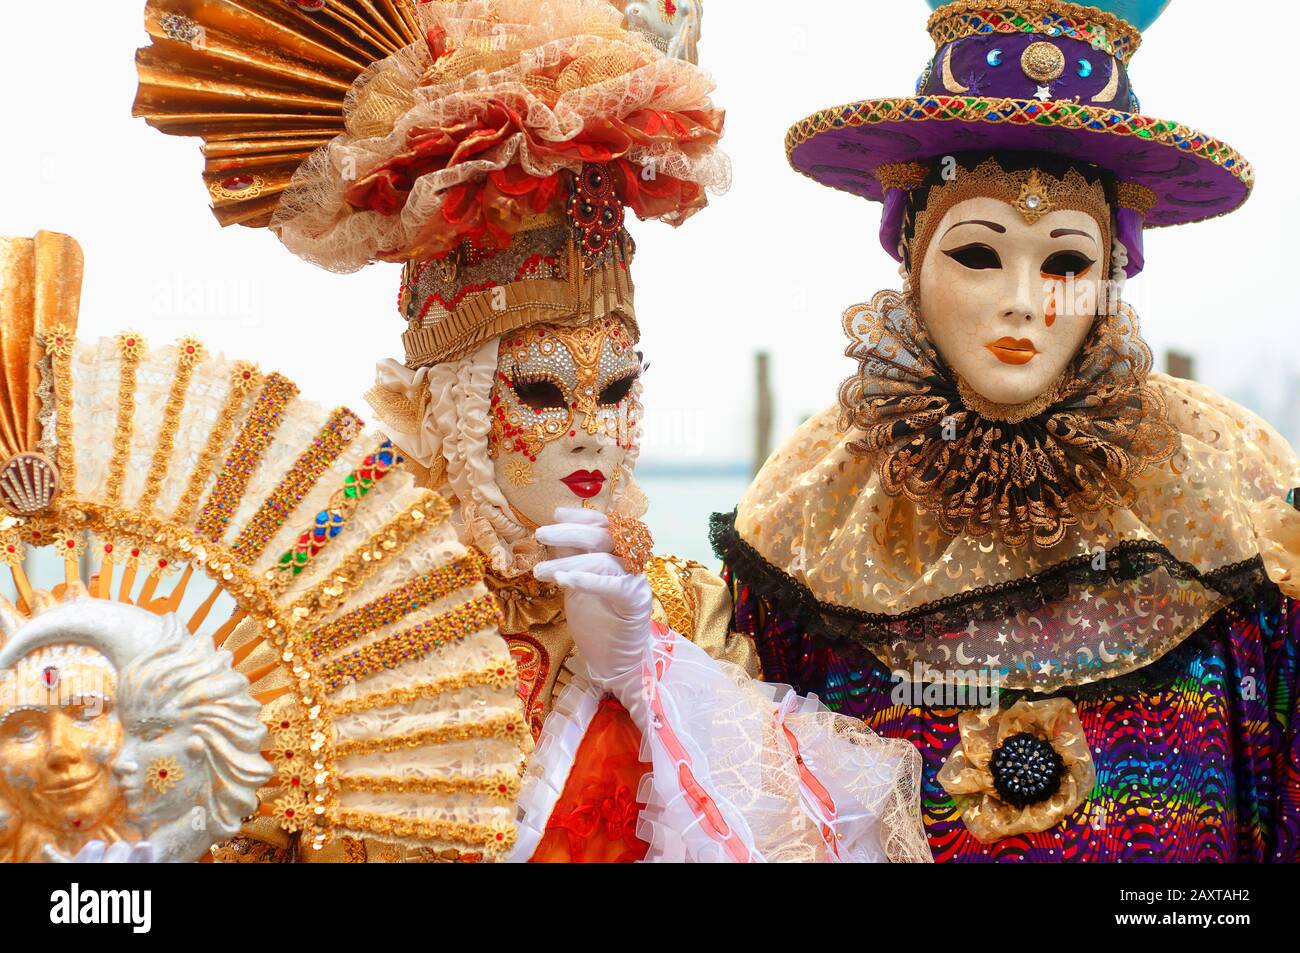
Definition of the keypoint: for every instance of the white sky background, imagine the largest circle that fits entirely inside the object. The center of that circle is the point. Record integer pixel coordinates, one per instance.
(771, 265)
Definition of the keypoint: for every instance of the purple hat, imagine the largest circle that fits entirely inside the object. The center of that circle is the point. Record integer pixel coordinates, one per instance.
(1025, 76)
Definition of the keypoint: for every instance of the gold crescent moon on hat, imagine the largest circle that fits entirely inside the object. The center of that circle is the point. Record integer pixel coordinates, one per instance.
(1111, 89)
(949, 81)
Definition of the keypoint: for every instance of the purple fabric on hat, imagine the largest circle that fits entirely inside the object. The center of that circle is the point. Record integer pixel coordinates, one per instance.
(1188, 188)
(970, 63)
(1129, 228)
(891, 222)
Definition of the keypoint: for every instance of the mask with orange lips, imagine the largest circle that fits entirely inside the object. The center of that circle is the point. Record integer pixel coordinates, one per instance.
(1011, 270)
(565, 417)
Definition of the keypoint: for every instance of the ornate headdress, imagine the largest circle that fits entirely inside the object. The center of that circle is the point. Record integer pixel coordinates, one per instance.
(298, 548)
(492, 145)
(1034, 76)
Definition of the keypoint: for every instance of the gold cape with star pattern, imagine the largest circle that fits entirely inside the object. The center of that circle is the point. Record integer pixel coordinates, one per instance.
(1124, 587)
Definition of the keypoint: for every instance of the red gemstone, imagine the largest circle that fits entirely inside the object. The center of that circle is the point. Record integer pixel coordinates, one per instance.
(237, 183)
(50, 676)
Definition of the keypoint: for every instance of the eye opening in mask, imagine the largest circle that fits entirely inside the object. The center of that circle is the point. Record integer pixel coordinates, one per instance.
(1063, 264)
(976, 256)
(617, 391)
(539, 393)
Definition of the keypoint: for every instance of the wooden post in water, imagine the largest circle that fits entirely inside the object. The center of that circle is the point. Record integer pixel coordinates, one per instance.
(762, 410)
(1180, 365)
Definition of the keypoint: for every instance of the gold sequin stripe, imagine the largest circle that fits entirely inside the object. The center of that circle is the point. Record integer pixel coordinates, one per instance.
(59, 342)
(501, 787)
(414, 643)
(502, 674)
(244, 378)
(390, 541)
(503, 726)
(130, 346)
(341, 429)
(188, 354)
(494, 838)
(255, 438)
(672, 597)
(397, 604)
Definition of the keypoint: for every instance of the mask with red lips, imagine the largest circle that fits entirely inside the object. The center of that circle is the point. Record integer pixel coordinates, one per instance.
(565, 416)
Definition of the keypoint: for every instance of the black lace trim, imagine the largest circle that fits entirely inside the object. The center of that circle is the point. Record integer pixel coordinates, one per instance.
(1125, 562)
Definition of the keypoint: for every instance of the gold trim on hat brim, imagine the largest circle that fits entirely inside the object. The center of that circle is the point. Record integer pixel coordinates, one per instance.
(1028, 113)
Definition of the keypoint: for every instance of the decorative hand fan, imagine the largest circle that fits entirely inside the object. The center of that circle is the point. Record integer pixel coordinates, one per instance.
(370, 695)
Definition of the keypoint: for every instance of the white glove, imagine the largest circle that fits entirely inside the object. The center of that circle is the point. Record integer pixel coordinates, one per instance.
(96, 852)
(608, 608)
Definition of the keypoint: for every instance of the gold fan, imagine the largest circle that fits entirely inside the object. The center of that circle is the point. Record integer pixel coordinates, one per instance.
(297, 541)
(42, 288)
(263, 82)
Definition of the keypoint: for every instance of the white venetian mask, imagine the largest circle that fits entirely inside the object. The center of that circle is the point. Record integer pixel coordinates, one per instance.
(1009, 303)
(565, 413)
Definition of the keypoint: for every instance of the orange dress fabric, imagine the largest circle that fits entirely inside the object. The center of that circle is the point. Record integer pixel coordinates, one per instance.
(594, 821)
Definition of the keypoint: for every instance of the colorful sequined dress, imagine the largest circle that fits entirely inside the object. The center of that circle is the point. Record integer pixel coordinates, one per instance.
(1173, 669)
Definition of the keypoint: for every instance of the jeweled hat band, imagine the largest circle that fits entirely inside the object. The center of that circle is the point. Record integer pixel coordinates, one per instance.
(1028, 66)
(565, 265)
(1101, 31)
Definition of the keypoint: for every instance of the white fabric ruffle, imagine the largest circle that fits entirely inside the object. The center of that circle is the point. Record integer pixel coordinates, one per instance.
(548, 768)
(742, 771)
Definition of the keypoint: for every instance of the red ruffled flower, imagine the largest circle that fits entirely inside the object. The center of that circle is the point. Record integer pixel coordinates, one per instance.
(488, 211)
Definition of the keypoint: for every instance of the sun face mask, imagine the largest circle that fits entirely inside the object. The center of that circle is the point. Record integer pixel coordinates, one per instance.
(565, 414)
(58, 735)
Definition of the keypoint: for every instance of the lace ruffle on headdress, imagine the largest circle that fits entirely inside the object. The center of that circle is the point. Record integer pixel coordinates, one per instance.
(464, 137)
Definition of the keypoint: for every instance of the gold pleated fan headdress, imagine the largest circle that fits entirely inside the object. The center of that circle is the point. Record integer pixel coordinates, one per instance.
(284, 532)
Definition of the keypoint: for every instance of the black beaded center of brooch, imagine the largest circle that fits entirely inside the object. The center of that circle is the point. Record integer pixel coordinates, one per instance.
(1026, 770)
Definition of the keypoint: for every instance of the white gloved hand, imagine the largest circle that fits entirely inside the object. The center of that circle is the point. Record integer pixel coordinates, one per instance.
(97, 852)
(608, 608)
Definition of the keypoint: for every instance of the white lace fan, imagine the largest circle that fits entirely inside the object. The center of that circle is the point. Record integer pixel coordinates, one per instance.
(284, 534)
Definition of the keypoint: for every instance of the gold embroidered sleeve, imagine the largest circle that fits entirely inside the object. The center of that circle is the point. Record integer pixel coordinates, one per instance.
(695, 602)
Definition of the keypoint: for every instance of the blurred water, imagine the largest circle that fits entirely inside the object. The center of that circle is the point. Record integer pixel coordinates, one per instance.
(680, 506)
